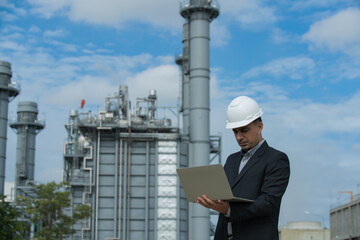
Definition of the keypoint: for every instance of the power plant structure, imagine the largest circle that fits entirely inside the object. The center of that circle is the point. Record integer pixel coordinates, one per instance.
(123, 164)
(122, 161)
(27, 125)
(8, 91)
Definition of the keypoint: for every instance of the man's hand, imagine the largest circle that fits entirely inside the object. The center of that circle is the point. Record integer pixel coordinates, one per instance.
(220, 206)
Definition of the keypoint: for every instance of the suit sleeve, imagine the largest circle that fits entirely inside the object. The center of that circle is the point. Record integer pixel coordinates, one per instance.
(275, 180)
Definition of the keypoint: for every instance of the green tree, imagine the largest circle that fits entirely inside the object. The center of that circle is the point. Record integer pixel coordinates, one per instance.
(47, 212)
(12, 225)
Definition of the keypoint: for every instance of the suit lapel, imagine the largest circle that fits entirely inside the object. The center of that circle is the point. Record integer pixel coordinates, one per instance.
(252, 161)
(235, 169)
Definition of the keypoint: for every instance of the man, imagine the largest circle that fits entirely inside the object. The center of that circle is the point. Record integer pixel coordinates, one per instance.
(257, 172)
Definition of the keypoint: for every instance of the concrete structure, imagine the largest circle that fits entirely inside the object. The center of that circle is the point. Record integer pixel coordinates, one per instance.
(345, 221)
(303, 231)
(199, 14)
(27, 125)
(8, 91)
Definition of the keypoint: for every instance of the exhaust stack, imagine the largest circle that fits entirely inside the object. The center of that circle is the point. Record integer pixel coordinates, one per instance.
(27, 126)
(199, 14)
(8, 91)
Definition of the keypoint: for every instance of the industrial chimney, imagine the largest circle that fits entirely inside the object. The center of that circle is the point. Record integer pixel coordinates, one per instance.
(8, 91)
(27, 125)
(199, 14)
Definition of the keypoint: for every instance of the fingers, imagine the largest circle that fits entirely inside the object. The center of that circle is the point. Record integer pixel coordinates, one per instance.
(220, 206)
(207, 202)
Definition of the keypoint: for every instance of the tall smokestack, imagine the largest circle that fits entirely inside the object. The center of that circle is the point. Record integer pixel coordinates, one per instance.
(199, 14)
(7, 92)
(27, 126)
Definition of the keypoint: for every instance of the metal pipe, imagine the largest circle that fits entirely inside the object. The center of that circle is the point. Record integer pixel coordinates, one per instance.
(97, 185)
(128, 191)
(156, 145)
(116, 186)
(120, 184)
(147, 190)
(186, 82)
(178, 209)
(125, 191)
(94, 214)
(88, 193)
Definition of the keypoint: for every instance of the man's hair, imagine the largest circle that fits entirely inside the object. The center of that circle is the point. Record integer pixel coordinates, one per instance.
(258, 120)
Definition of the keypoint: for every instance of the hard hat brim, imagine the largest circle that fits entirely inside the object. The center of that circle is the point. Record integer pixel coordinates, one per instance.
(244, 122)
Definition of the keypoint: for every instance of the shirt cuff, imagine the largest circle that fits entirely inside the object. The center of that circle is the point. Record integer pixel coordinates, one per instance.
(228, 213)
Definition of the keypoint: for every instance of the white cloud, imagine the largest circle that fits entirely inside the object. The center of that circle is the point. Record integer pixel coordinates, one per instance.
(93, 89)
(10, 45)
(55, 33)
(220, 34)
(280, 36)
(293, 67)
(305, 118)
(337, 33)
(6, 15)
(48, 9)
(302, 4)
(34, 29)
(165, 79)
(112, 13)
(251, 14)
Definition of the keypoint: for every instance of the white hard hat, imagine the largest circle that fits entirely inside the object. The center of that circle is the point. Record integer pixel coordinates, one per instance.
(242, 111)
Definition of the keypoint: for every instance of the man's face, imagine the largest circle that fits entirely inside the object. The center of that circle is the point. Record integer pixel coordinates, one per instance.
(248, 136)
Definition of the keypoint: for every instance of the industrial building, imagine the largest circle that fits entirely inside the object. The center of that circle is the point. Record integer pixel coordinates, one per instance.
(124, 166)
(303, 231)
(345, 220)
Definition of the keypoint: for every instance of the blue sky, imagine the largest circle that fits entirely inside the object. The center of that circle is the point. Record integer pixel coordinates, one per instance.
(299, 59)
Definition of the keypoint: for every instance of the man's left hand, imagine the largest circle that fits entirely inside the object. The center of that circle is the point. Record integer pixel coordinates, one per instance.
(220, 206)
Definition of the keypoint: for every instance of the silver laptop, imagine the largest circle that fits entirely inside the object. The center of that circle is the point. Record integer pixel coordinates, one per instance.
(210, 180)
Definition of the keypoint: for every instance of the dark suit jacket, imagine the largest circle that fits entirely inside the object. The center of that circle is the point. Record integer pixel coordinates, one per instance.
(263, 179)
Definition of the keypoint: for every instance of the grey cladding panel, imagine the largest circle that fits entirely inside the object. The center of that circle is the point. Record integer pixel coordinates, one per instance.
(107, 180)
(137, 214)
(137, 203)
(138, 170)
(107, 170)
(106, 202)
(106, 225)
(137, 192)
(138, 181)
(106, 213)
(107, 158)
(106, 191)
(138, 159)
(137, 235)
(137, 225)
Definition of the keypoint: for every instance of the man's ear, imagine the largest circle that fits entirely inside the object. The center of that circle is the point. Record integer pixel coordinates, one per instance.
(260, 127)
